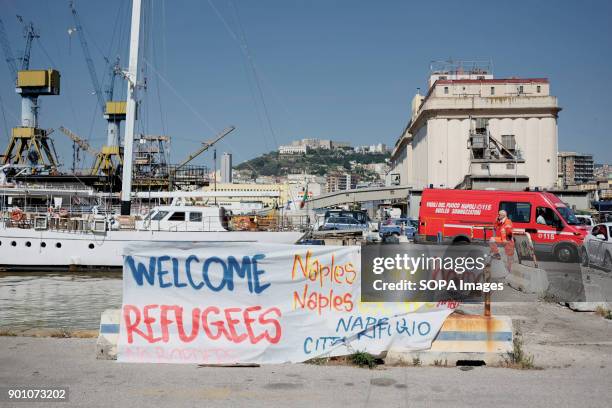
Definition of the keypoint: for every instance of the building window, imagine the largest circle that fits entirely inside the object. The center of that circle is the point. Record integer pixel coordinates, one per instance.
(521, 90)
(538, 89)
(492, 90)
(509, 142)
(446, 90)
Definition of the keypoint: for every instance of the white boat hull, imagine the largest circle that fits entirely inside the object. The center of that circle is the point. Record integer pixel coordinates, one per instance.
(31, 249)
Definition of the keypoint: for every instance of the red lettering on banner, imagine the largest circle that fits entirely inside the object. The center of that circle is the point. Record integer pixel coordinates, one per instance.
(234, 324)
(218, 324)
(274, 322)
(231, 323)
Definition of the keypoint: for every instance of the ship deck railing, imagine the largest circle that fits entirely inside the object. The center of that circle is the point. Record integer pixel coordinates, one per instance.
(85, 222)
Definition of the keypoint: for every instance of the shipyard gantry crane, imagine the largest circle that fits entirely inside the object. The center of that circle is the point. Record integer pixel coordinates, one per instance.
(113, 111)
(102, 163)
(29, 145)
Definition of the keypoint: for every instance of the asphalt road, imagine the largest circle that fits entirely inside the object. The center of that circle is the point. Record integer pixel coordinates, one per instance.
(39, 362)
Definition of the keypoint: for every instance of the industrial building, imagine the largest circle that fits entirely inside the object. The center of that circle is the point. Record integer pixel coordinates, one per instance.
(270, 195)
(471, 130)
(575, 168)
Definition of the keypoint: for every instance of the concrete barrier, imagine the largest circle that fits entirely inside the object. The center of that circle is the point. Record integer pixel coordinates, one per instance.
(593, 300)
(594, 296)
(462, 338)
(470, 338)
(106, 346)
(579, 293)
(528, 279)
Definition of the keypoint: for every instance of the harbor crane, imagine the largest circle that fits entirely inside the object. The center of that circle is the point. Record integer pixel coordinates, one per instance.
(102, 163)
(8, 53)
(176, 172)
(114, 111)
(81, 143)
(30, 34)
(205, 146)
(29, 145)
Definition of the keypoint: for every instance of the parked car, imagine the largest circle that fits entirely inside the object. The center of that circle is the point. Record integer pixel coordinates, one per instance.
(398, 227)
(360, 215)
(458, 216)
(585, 220)
(343, 223)
(597, 247)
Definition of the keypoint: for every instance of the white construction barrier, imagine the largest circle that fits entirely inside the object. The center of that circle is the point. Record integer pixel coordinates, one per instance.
(528, 279)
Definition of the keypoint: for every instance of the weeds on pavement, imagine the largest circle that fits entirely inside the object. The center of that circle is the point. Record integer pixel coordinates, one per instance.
(363, 359)
(518, 358)
(603, 312)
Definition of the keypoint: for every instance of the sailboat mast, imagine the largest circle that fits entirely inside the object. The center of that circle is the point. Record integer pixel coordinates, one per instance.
(130, 122)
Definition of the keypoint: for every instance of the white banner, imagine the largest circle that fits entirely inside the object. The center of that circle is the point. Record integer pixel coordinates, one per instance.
(258, 303)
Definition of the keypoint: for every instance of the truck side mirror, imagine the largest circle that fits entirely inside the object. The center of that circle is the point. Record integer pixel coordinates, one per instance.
(600, 236)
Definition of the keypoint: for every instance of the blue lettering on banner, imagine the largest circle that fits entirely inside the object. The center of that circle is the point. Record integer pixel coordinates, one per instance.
(322, 343)
(376, 328)
(170, 272)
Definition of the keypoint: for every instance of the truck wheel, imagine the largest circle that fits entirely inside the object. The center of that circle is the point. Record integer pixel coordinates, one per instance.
(607, 264)
(461, 241)
(565, 253)
(584, 257)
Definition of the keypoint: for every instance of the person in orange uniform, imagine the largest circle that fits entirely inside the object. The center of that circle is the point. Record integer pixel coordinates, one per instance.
(502, 237)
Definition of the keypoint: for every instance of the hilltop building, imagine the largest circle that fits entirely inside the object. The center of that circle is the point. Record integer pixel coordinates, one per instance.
(471, 130)
(313, 143)
(602, 171)
(375, 148)
(304, 145)
(291, 149)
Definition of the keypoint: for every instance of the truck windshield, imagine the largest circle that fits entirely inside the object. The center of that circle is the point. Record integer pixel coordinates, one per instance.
(568, 216)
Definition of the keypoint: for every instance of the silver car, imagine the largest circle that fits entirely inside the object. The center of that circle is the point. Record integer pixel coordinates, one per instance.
(597, 247)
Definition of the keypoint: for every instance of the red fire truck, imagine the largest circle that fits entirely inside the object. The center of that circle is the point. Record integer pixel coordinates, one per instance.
(460, 216)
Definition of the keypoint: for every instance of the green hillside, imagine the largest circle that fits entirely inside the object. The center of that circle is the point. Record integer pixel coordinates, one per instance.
(314, 162)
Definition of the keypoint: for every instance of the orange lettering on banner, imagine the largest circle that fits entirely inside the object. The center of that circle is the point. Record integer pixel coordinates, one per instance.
(312, 269)
(315, 270)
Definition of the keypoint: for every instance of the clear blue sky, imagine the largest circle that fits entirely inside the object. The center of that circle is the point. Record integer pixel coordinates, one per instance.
(344, 70)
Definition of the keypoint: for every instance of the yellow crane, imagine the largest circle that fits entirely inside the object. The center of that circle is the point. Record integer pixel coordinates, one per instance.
(104, 162)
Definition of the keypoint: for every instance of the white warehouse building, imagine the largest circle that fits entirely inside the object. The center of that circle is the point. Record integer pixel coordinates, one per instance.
(474, 131)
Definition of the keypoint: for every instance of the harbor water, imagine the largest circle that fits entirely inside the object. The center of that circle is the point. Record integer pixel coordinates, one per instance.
(57, 300)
